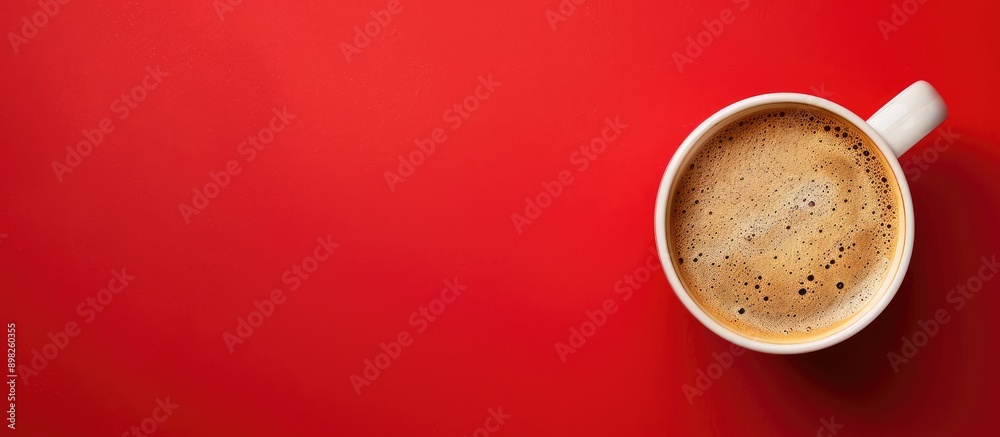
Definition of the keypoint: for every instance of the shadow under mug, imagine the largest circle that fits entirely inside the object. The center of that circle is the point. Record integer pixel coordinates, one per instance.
(894, 128)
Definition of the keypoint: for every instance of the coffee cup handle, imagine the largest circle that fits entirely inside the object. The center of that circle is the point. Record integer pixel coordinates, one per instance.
(909, 116)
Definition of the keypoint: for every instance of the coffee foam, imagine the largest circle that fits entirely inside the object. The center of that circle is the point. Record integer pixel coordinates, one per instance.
(785, 223)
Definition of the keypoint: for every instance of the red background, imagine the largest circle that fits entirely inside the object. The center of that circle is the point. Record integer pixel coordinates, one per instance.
(495, 345)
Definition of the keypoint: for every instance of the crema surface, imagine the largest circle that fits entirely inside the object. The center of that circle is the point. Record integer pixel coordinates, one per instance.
(785, 223)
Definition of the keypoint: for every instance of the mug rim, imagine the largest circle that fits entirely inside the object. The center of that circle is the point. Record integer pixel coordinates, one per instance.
(660, 225)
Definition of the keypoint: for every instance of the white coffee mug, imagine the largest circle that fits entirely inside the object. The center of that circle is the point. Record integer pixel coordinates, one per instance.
(894, 128)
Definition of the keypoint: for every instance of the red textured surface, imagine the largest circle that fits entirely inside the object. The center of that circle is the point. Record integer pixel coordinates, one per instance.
(494, 345)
